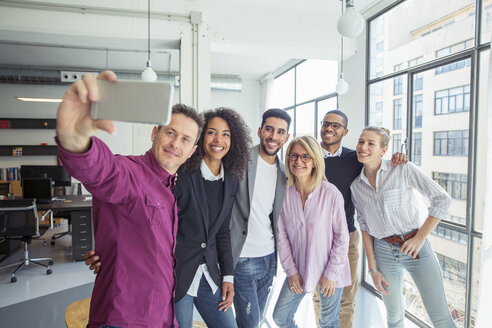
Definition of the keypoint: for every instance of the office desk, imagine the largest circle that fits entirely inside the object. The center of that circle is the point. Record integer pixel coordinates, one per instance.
(80, 212)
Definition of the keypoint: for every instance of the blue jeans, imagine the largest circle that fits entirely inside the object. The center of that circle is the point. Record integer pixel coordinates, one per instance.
(288, 302)
(207, 305)
(253, 279)
(427, 276)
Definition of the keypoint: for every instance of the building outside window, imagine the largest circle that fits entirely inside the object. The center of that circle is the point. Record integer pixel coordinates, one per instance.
(396, 143)
(448, 53)
(451, 143)
(454, 100)
(397, 114)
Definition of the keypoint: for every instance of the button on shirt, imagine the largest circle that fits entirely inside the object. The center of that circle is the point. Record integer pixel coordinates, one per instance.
(393, 208)
(135, 225)
(314, 241)
(202, 269)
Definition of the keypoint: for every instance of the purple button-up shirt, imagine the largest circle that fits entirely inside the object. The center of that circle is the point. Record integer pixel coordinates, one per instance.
(135, 225)
(314, 241)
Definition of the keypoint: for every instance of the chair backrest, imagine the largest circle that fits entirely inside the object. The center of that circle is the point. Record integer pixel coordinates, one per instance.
(19, 218)
(4, 188)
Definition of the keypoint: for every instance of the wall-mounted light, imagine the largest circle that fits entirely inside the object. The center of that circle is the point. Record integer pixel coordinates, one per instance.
(148, 73)
(351, 23)
(49, 100)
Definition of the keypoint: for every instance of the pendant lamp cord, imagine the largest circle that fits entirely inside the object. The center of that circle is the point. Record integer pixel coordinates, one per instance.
(148, 32)
(341, 48)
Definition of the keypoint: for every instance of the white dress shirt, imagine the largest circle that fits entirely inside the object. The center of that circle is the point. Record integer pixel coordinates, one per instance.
(393, 208)
(202, 269)
(337, 153)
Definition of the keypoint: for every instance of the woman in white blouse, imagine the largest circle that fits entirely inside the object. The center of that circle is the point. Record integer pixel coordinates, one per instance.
(394, 238)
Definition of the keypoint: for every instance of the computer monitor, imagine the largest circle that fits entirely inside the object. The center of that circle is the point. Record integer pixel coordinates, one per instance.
(38, 188)
(57, 173)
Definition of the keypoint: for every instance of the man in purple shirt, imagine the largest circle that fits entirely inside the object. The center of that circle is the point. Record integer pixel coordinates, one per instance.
(134, 211)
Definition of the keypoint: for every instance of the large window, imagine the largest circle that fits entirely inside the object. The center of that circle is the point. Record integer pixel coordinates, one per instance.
(451, 143)
(452, 100)
(440, 52)
(306, 91)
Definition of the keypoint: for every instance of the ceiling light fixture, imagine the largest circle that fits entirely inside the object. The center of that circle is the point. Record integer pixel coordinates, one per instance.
(49, 100)
(351, 23)
(148, 73)
(342, 86)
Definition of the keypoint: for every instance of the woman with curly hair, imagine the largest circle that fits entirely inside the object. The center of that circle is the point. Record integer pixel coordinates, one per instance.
(205, 192)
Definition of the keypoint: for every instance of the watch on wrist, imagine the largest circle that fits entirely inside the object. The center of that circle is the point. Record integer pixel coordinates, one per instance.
(372, 271)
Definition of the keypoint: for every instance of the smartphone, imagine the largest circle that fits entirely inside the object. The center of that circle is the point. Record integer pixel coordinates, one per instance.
(134, 101)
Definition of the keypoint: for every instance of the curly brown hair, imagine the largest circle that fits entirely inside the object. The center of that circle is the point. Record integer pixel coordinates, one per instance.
(236, 160)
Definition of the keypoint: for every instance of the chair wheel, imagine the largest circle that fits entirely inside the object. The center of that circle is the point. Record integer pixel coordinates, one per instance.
(52, 243)
(49, 271)
(13, 279)
(50, 262)
(45, 244)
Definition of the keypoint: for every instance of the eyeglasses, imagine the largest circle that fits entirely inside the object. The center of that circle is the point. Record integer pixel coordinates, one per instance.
(334, 125)
(304, 157)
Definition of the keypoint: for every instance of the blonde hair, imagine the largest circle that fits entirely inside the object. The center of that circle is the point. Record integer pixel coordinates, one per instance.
(313, 148)
(383, 133)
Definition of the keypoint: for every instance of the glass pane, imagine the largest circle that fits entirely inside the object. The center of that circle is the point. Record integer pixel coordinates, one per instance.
(315, 78)
(283, 90)
(486, 21)
(389, 109)
(305, 120)
(435, 30)
(482, 119)
(324, 106)
(291, 132)
(440, 130)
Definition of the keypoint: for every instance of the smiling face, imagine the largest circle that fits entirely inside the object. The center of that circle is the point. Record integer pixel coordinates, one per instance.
(298, 167)
(369, 150)
(331, 136)
(273, 134)
(173, 144)
(216, 139)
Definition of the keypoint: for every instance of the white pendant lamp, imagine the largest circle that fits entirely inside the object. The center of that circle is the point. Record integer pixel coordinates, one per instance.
(342, 86)
(148, 73)
(351, 23)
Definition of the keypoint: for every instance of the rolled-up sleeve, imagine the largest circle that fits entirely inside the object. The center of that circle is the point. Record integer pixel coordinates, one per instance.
(439, 200)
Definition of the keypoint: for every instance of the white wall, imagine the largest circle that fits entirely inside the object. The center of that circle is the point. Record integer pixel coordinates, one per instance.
(246, 103)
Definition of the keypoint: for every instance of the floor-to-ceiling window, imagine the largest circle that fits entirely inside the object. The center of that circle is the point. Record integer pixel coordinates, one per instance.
(306, 91)
(426, 85)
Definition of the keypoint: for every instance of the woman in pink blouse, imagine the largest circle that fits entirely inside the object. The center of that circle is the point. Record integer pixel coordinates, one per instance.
(312, 236)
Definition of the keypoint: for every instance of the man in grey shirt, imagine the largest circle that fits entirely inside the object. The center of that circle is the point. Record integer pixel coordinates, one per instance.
(254, 220)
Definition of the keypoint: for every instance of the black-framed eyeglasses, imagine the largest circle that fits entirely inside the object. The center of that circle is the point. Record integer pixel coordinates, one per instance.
(304, 157)
(334, 125)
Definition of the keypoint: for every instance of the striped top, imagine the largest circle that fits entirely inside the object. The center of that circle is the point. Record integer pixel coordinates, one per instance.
(393, 208)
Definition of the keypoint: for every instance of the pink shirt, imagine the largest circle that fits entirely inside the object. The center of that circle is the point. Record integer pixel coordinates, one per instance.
(314, 241)
(135, 225)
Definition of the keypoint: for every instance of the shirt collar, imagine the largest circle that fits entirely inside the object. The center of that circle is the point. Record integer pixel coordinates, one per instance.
(385, 166)
(326, 153)
(169, 180)
(208, 175)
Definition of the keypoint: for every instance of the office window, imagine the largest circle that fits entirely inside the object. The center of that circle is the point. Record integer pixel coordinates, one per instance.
(380, 47)
(417, 111)
(454, 100)
(417, 148)
(378, 114)
(451, 143)
(397, 114)
(397, 85)
(454, 184)
(442, 86)
(396, 143)
(418, 82)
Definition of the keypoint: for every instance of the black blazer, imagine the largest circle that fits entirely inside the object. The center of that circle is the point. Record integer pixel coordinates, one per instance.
(195, 239)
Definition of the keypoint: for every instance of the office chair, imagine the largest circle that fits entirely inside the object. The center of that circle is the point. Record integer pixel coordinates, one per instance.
(19, 221)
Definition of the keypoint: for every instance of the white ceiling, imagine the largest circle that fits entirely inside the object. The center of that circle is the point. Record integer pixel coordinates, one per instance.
(247, 38)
